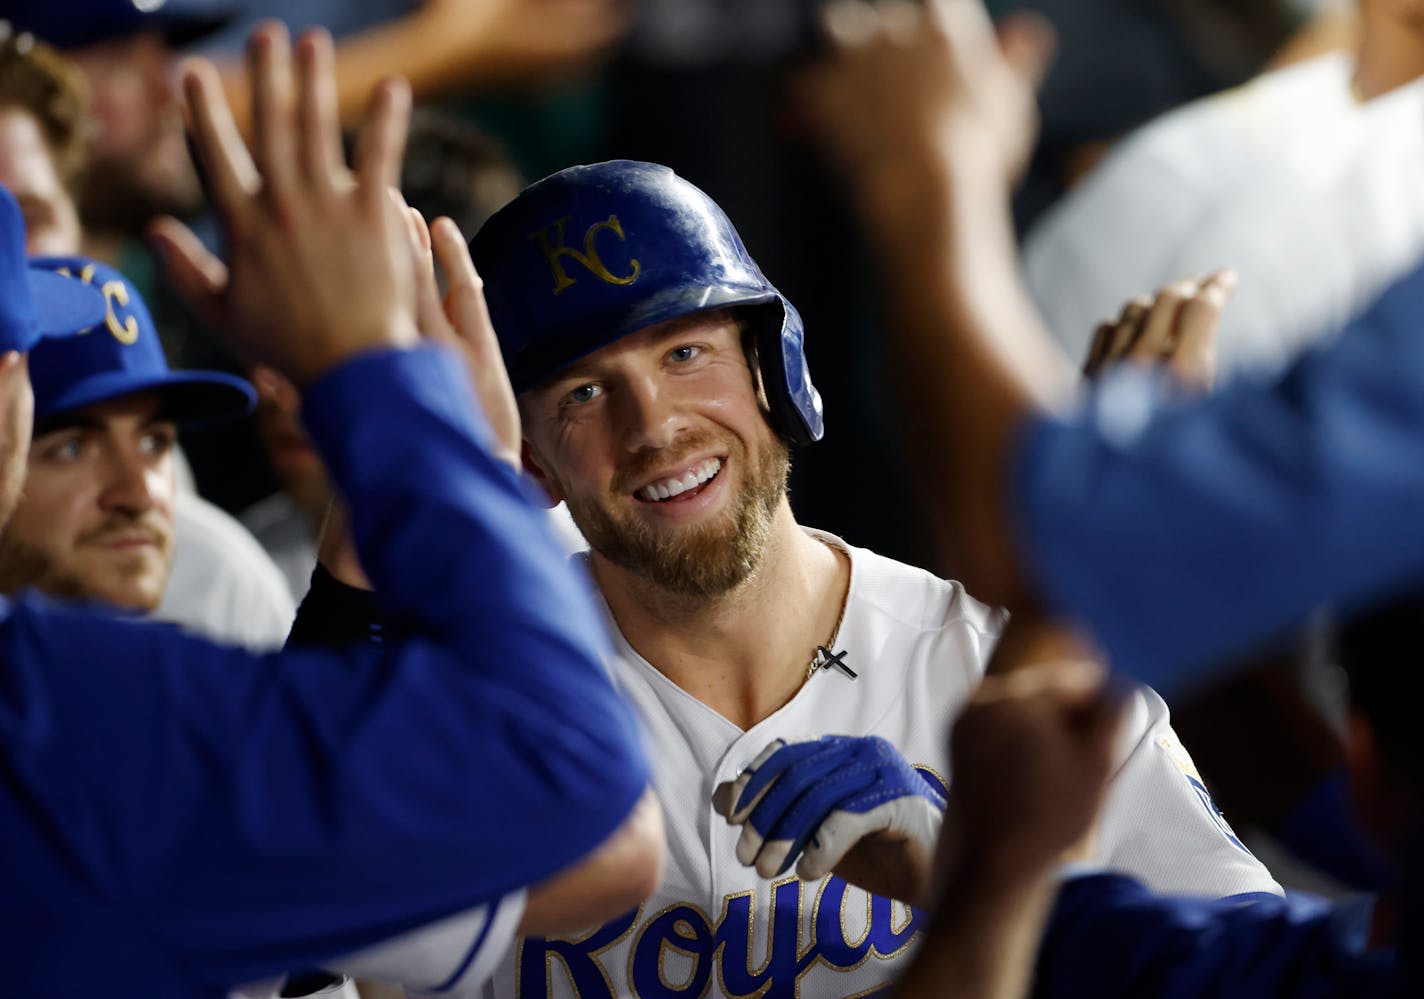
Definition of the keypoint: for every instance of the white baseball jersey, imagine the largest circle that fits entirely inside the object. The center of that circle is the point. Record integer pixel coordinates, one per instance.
(918, 646)
(1315, 199)
(448, 959)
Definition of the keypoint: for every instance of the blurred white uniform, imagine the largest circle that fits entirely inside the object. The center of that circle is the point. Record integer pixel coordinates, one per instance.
(1316, 199)
(448, 959)
(918, 645)
(223, 585)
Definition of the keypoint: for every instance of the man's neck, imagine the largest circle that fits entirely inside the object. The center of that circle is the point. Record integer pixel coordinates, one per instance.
(1391, 52)
(744, 653)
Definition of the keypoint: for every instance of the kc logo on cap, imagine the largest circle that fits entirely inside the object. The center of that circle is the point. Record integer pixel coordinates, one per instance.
(121, 355)
(120, 322)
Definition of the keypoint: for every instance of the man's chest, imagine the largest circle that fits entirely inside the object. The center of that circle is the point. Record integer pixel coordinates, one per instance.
(715, 927)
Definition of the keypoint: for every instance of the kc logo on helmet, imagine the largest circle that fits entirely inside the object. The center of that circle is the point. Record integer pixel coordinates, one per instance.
(551, 244)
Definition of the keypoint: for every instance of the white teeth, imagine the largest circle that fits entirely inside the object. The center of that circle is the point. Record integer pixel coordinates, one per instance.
(674, 486)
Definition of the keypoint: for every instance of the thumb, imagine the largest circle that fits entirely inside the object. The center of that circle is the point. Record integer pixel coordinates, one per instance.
(199, 277)
(1028, 42)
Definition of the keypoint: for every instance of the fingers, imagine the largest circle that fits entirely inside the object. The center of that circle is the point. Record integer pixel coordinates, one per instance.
(1029, 43)
(229, 175)
(320, 141)
(1194, 360)
(1097, 347)
(758, 778)
(847, 24)
(382, 140)
(1159, 332)
(269, 65)
(1178, 326)
(465, 305)
(199, 276)
(429, 315)
(1073, 679)
(782, 825)
(1114, 338)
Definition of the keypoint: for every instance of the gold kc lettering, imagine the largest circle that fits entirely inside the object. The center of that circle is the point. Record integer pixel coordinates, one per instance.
(115, 293)
(555, 250)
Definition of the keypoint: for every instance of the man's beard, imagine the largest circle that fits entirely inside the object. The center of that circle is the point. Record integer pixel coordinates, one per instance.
(22, 566)
(25, 565)
(701, 560)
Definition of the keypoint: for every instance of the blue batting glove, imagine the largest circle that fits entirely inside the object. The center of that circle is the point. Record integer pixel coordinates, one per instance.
(823, 797)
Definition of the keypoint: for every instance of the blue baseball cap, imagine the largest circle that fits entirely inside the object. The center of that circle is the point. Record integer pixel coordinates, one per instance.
(121, 354)
(83, 22)
(35, 302)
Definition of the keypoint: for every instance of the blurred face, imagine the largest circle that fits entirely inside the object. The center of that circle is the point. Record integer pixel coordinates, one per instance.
(27, 169)
(95, 519)
(661, 449)
(289, 449)
(17, 404)
(139, 159)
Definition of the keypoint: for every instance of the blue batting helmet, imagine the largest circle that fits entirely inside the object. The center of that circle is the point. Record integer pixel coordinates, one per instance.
(594, 253)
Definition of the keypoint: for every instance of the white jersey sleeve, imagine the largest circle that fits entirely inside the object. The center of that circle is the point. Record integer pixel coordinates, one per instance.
(449, 958)
(1159, 823)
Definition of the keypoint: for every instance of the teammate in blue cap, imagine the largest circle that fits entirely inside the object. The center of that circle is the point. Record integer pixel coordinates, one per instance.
(188, 817)
(97, 516)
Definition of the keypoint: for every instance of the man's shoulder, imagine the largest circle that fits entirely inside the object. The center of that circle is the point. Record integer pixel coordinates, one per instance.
(909, 595)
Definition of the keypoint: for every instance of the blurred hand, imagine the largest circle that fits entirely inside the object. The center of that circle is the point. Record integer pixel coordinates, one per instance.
(462, 322)
(909, 81)
(1032, 756)
(1177, 328)
(514, 41)
(318, 268)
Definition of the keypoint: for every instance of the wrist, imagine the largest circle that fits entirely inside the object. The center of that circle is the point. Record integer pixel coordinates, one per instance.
(325, 357)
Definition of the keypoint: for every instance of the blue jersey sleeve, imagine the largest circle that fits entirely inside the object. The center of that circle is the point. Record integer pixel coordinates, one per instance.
(1184, 533)
(167, 802)
(1108, 936)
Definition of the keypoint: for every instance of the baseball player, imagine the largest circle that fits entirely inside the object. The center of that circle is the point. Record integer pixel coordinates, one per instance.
(662, 382)
(96, 520)
(189, 817)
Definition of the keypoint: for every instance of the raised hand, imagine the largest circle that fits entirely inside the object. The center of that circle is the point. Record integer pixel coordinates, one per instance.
(317, 269)
(461, 321)
(1177, 329)
(851, 805)
(927, 82)
(1032, 755)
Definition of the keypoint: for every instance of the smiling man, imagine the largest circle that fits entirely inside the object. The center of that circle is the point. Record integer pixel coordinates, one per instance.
(662, 385)
(96, 518)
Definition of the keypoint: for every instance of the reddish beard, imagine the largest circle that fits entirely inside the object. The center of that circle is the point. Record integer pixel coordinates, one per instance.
(705, 559)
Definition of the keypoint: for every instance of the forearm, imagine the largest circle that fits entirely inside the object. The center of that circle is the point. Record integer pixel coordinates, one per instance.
(981, 942)
(972, 358)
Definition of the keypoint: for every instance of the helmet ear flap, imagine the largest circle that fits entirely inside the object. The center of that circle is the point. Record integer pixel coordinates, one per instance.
(792, 402)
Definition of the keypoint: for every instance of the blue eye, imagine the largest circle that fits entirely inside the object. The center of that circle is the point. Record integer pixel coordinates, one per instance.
(584, 393)
(158, 441)
(683, 354)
